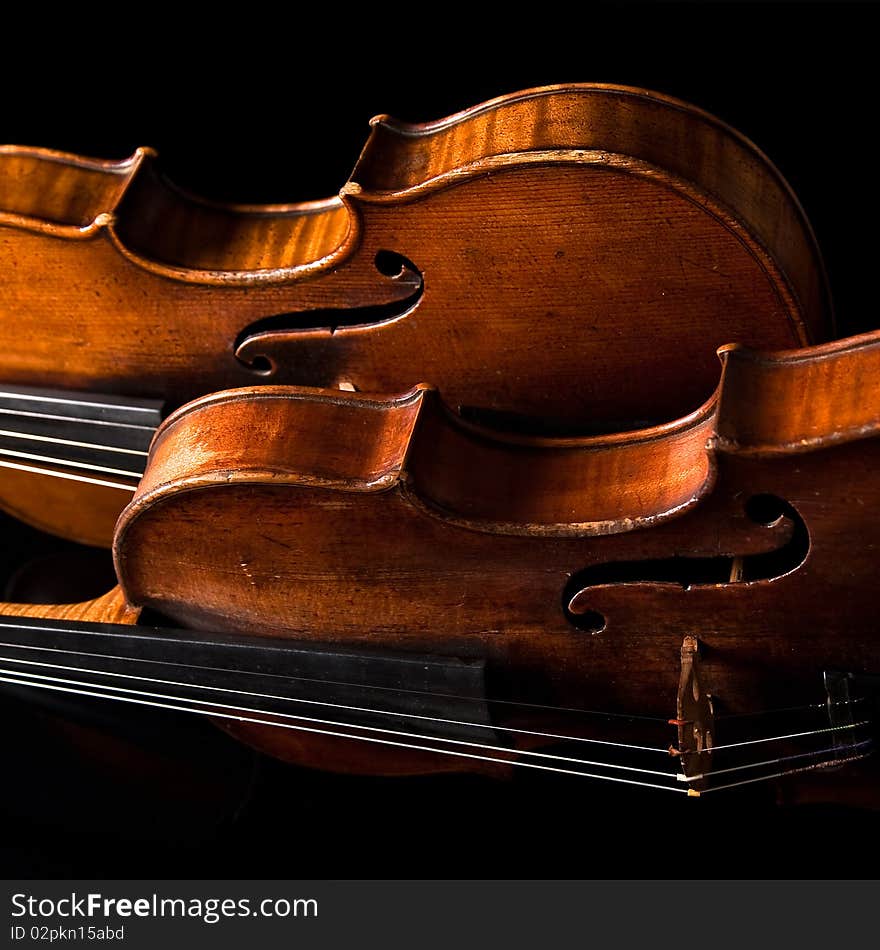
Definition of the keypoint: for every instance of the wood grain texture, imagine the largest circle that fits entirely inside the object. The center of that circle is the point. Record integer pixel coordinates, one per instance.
(77, 510)
(657, 129)
(796, 400)
(292, 513)
(460, 472)
(109, 608)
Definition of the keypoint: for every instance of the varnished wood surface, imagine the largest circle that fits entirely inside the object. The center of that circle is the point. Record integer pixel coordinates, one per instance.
(657, 129)
(293, 513)
(337, 439)
(61, 195)
(716, 250)
(796, 400)
(163, 227)
(74, 510)
(109, 608)
(495, 483)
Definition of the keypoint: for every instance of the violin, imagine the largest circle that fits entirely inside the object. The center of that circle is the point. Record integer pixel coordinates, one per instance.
(566, 233)
(683, 607)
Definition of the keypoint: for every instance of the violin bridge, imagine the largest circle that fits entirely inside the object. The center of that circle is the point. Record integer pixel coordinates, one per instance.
(694, 721)
(851, 713)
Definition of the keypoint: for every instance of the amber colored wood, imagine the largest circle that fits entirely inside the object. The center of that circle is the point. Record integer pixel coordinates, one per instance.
(807, 398)
(58, 194)
(658, 130)
(334, 438)
(549, 241)
(109, 608)
(317, 565)
(498, 483)
(74, 510)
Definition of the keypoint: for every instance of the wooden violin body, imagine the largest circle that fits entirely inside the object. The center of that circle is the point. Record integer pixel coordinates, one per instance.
(584, 573)
(567, 234)
(576, 564)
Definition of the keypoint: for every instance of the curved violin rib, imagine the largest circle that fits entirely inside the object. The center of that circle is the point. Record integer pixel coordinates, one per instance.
(154, 223)
(455, 471)
(799, 400)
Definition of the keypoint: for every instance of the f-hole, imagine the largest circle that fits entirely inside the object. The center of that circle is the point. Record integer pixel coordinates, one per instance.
(264, 333)
(766, 510)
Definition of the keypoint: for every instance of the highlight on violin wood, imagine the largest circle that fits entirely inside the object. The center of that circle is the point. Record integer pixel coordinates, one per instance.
(575, 620)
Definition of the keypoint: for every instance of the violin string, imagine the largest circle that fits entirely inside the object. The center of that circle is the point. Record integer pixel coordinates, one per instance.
(112, 471)
(793, 735)
(87, 466)
(862, 744)
(211, 712)
(70, 401)
(324, 683)
(349, 708)
(106, 424)
(656, 720)
(28, 437)
(785, 709)
(137, 475)
(365, 688)
(176, 704)
(71, 476)
(323, 703)
(840, 760)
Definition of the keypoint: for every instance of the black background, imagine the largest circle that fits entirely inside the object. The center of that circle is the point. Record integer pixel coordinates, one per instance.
(263, 107)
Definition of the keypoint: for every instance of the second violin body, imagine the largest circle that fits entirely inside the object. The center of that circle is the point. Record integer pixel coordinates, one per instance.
(573, 567)
(705, 577)
(566, 234)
